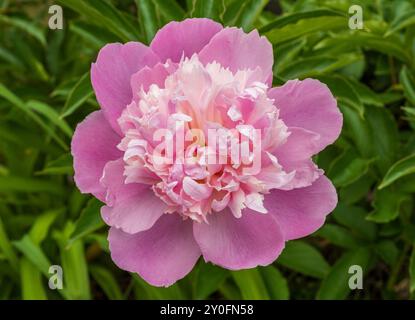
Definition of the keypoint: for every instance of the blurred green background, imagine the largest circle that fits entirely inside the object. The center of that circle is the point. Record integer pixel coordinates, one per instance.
(45, 91)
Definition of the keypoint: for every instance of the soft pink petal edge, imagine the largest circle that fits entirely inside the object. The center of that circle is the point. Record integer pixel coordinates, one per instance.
(309, 104)
(131, 207)
(235, 49)
(239, 243)
(300, 212)
(161, 255)
(111, 74)
(182, 39)
(93, 145)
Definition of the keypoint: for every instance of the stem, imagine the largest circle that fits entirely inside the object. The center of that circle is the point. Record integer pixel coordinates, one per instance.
(395, 271)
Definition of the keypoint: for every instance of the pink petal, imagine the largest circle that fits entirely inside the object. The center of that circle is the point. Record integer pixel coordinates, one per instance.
(301, 144)
(300, 212)
(177, 39)
(295, 156)
(162, 255)
(111, 73)
(131, 207)
(235, 49)
(305, 173)
(309, 104)
(254, 201)
(93, 145)
(239, 243)
(148, 76)
(195, 190)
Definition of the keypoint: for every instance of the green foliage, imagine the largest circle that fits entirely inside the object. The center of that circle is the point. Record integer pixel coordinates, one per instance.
(45, 92)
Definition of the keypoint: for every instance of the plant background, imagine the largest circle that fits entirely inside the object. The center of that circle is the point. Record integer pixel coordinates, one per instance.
(45, 91)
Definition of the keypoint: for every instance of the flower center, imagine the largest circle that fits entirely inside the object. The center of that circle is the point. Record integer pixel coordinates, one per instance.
(204, 139)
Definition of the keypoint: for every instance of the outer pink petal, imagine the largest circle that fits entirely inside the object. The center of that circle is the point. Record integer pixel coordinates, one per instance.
(131, 207)
(177, 39)
(295, 155)
(306, 172)
(300, 212)
(239, 243)
(93, 145)
(301, 144)
(111, 73)
(161, 255)
(235, 49)
(309, 104)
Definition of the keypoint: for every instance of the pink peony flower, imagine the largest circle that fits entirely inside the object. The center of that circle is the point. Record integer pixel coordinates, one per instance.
(196, 77)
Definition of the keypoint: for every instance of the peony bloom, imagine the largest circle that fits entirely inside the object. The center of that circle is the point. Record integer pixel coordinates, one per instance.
(195, 77)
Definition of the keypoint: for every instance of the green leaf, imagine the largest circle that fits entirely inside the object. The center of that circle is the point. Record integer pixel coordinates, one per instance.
(366, 94)
(76, 280)
(54, 52)
(61, 165)
(9, 57)
(358, 129)
(316, 65)
(229, 290)
(94, 36)
(302, 257)
(336, 285)
(388, 251)
(107, 282)
(81, 92)
(170, 9)
(6, 246)
(34, 254)
(148, 15)
(275, 283)
(51, 114)
(344, 92)
(348, 168)
(89, 221)
(410, 113)
(234, 11)
(305, 27)
(26, 26)
(356, 190)
(405, 20)
(384, 131)
(13, 99)
(250, 284)
(208, 279)
(354, 218)
(401, 168)
(291, 18)
(387, 204)
(251, 13)
(212, 9)
(338, 235)
(412, 271)
(20, 184)
(40, 228)
(287, 54)
(371, 41)
(104, 14)
(31, 279)
(29, 55)
(407, 80)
